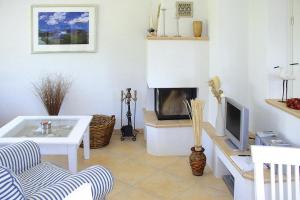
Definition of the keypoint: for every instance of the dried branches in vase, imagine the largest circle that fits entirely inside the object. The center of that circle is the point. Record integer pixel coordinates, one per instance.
(197, 118)
(197, 158)
(215, 85)
(52, 90)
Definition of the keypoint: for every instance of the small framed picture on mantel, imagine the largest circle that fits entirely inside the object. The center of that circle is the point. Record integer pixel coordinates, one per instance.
(63, 28)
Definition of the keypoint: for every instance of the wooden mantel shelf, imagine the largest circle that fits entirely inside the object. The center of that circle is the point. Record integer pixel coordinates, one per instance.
(204, 38)
(282, 106)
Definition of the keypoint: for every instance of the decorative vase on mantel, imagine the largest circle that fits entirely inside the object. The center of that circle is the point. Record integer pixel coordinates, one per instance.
(220, 124)
(197, 28)
(197, 161)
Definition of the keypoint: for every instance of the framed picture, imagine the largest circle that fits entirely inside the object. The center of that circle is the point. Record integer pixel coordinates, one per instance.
(63, 28)
(184, 9)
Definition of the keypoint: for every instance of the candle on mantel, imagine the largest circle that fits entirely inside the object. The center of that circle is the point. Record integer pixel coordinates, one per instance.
(150, 22)
(163, 3)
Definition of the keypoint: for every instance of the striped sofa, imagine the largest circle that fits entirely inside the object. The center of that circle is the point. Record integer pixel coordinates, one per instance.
(24, 176)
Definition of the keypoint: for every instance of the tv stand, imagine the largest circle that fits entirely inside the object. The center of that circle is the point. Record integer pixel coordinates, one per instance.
(231, 145)
(240, 182)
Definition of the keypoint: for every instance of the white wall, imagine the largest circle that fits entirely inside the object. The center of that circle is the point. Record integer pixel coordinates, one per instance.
(97, 77)
(177, 64)
(247, 39)
(268, 48)
(228, 33)
(296, 46)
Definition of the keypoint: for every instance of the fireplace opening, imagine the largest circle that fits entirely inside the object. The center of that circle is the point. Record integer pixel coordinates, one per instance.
(169, 102)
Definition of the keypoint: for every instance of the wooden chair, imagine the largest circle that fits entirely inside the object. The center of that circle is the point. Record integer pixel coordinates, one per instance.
(284, 172)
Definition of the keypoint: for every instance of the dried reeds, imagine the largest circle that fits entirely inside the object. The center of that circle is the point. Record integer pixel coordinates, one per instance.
(196, 110)
(52, 90)
(197, 113)
(215, 85)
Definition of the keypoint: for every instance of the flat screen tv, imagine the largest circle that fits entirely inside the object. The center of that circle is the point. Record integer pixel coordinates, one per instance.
(237, 124)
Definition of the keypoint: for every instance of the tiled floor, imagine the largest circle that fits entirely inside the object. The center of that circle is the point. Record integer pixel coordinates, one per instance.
(141, 176)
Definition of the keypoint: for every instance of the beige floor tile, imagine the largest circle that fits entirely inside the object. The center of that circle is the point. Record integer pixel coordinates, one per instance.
(139, 175)
(127, 148)
(180, 168)
(158, 162)
(164, 185)
(131, 171)
(211, 182)
(134, 194)
(196, 192)
(119, 187)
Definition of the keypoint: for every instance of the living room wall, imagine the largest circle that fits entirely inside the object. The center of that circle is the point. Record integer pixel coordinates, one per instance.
(97, 77)
(228, 33)
(247, 39)
(269, 47)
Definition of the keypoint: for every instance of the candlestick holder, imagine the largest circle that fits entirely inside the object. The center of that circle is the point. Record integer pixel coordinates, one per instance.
(164, 21)
(177, 26)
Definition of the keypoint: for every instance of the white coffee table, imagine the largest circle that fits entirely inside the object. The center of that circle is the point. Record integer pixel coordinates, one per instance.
(66, 134)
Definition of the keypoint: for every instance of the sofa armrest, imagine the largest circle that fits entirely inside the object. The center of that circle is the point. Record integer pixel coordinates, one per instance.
(98, 177)
(20, 157)
(83, 192)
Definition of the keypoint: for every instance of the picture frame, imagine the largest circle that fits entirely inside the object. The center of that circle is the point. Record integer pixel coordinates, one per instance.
(63, 28)
(184, 9)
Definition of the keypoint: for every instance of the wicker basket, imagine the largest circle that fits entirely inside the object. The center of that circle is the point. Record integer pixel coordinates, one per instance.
(101, 129)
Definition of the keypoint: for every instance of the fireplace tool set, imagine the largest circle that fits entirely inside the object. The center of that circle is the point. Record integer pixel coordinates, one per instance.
(126, 100)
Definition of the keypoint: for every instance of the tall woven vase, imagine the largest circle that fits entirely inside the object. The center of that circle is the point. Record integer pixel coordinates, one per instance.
(220, 124)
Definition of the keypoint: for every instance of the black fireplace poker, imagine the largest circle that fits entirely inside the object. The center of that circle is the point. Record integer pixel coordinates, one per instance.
(129, 129)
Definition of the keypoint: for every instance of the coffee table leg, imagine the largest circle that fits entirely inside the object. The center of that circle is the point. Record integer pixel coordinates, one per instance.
(72, 157)
(86, 144)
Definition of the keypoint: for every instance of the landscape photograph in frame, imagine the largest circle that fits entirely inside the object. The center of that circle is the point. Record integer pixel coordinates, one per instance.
(63, 29)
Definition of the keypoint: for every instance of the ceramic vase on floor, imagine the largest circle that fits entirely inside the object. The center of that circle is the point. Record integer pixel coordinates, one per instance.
(220, 121)
(197, 28)
(197, 161)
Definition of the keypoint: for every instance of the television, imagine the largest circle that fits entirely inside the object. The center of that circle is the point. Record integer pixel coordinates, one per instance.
(236, 124)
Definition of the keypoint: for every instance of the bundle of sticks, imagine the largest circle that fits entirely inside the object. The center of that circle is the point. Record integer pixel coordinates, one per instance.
(196, 107)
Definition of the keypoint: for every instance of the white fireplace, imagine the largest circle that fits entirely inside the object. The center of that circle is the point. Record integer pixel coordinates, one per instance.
(174, 64)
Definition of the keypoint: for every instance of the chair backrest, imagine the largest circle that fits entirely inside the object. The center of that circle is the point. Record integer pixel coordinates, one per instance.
(284, 172)
(21, 156)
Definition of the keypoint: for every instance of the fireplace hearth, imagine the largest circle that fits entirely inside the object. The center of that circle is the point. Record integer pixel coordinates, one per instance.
(169, 102)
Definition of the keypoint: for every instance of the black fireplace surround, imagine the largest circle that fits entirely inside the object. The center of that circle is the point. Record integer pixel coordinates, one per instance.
(169, 102)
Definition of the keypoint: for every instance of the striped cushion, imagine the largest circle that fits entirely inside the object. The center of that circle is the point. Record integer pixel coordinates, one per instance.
(41, 176)
(100, 179)
(20, 157)
(10, 187)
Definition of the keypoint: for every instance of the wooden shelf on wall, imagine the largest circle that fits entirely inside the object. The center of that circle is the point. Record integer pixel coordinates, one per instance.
(204, 38)
(282, 106)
